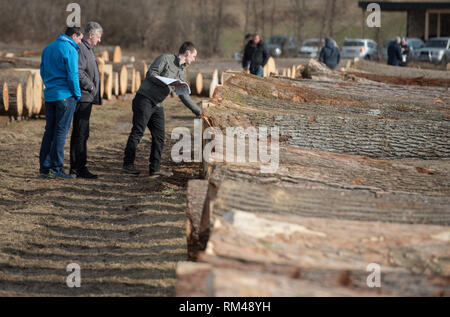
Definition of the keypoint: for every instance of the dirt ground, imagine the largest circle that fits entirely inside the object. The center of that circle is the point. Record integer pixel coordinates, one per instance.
(126, 232)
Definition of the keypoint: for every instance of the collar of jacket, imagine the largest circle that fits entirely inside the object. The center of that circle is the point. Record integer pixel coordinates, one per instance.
(177, 62)
(63, 37)
(86, 43)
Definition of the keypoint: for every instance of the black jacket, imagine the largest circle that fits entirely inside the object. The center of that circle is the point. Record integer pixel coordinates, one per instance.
(257, 55)
(394, 54)
(89, 74)
(329, 54)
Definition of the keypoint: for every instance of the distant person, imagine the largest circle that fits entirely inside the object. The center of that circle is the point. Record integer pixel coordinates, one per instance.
(329, 54)
(405, 53)
(257, 55)
(59, 71)
(395, 52)
(90, 94)
(148, 109)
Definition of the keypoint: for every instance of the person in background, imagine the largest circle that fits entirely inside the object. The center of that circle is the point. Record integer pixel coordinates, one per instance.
(59, 72)
(395, 52)
(90, 94)
(405, 53)
(329, 54)
(257, 55)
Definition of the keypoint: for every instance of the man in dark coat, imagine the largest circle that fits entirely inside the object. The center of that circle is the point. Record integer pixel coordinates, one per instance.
(257, 55)
(90, 94)
(395, 52)
(329, 54)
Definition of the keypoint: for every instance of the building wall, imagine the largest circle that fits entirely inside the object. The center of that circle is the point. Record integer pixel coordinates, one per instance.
(416, 24)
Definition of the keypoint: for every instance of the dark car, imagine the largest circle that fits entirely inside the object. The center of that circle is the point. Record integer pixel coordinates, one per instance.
(280, 45)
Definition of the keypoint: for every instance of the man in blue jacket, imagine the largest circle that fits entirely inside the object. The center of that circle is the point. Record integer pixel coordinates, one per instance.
(59, 71)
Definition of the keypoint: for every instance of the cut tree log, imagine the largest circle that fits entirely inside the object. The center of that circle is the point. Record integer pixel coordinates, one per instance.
(37, 88)
(114, 53)
(270, 68)
(104, 55)
(131, 86)
(121, 69)
(196, 195)
(210, 82)
(196, 82)
(108, 81)
(4, 100)
(405, 252)
(116, 90)
(137, 83)
(141, 67)
(15, 94)
(12, 78)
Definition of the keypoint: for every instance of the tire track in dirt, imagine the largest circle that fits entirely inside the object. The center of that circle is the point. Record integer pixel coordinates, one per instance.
(126, 233)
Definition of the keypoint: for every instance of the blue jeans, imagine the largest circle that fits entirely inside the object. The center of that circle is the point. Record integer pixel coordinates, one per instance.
(58, 116)
(259, 72)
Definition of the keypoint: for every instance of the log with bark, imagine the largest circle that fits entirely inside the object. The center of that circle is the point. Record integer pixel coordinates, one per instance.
(196, 82)
(270, 68)
(137, 81)
(116, 90)
(108, 81)
(4, 100)
(15, 100)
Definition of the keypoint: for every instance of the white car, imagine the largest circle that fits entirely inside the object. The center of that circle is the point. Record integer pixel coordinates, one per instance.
(311, 48)
(435, 50)
(361, 48)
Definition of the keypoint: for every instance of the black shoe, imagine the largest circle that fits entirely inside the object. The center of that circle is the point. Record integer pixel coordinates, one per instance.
(130, 169)
(161, 173)
(83, 174)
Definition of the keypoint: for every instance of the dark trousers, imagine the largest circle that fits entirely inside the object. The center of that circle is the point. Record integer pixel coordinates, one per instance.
(146, 114)
(80, 135)
(58, 116)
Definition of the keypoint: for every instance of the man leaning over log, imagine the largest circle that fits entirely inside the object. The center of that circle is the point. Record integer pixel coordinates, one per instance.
(148, 108)
(90, 94)
(59, 72)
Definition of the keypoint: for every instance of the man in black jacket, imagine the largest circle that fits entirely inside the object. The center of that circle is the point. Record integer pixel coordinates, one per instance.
(257, 54)
(394, 52)
(330, 54)
(90, 94)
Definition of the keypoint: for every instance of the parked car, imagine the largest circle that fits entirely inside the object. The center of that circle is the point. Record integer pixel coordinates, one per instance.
(435, 50)
(311, 48)
(362, 48)
(279, 45)
(413, 43)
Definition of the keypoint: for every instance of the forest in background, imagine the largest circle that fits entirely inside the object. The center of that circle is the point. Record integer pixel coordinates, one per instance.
(216, 27)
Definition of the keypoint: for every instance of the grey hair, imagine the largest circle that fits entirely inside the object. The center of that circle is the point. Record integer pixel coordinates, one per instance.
(93, 27)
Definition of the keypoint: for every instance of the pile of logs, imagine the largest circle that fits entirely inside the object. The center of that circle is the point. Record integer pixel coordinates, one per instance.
(363, 183)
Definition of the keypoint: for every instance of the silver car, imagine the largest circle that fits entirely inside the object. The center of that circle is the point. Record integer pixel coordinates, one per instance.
(311, 48)
(361, 48)
(435, 50)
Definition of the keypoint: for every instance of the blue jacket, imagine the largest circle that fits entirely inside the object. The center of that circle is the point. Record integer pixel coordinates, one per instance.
(59, 69)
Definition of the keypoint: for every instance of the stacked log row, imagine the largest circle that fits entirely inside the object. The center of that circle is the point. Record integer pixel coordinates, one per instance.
(37, 99)
(121, 70)
(313, 225)
(20, 92)
(111, 54)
